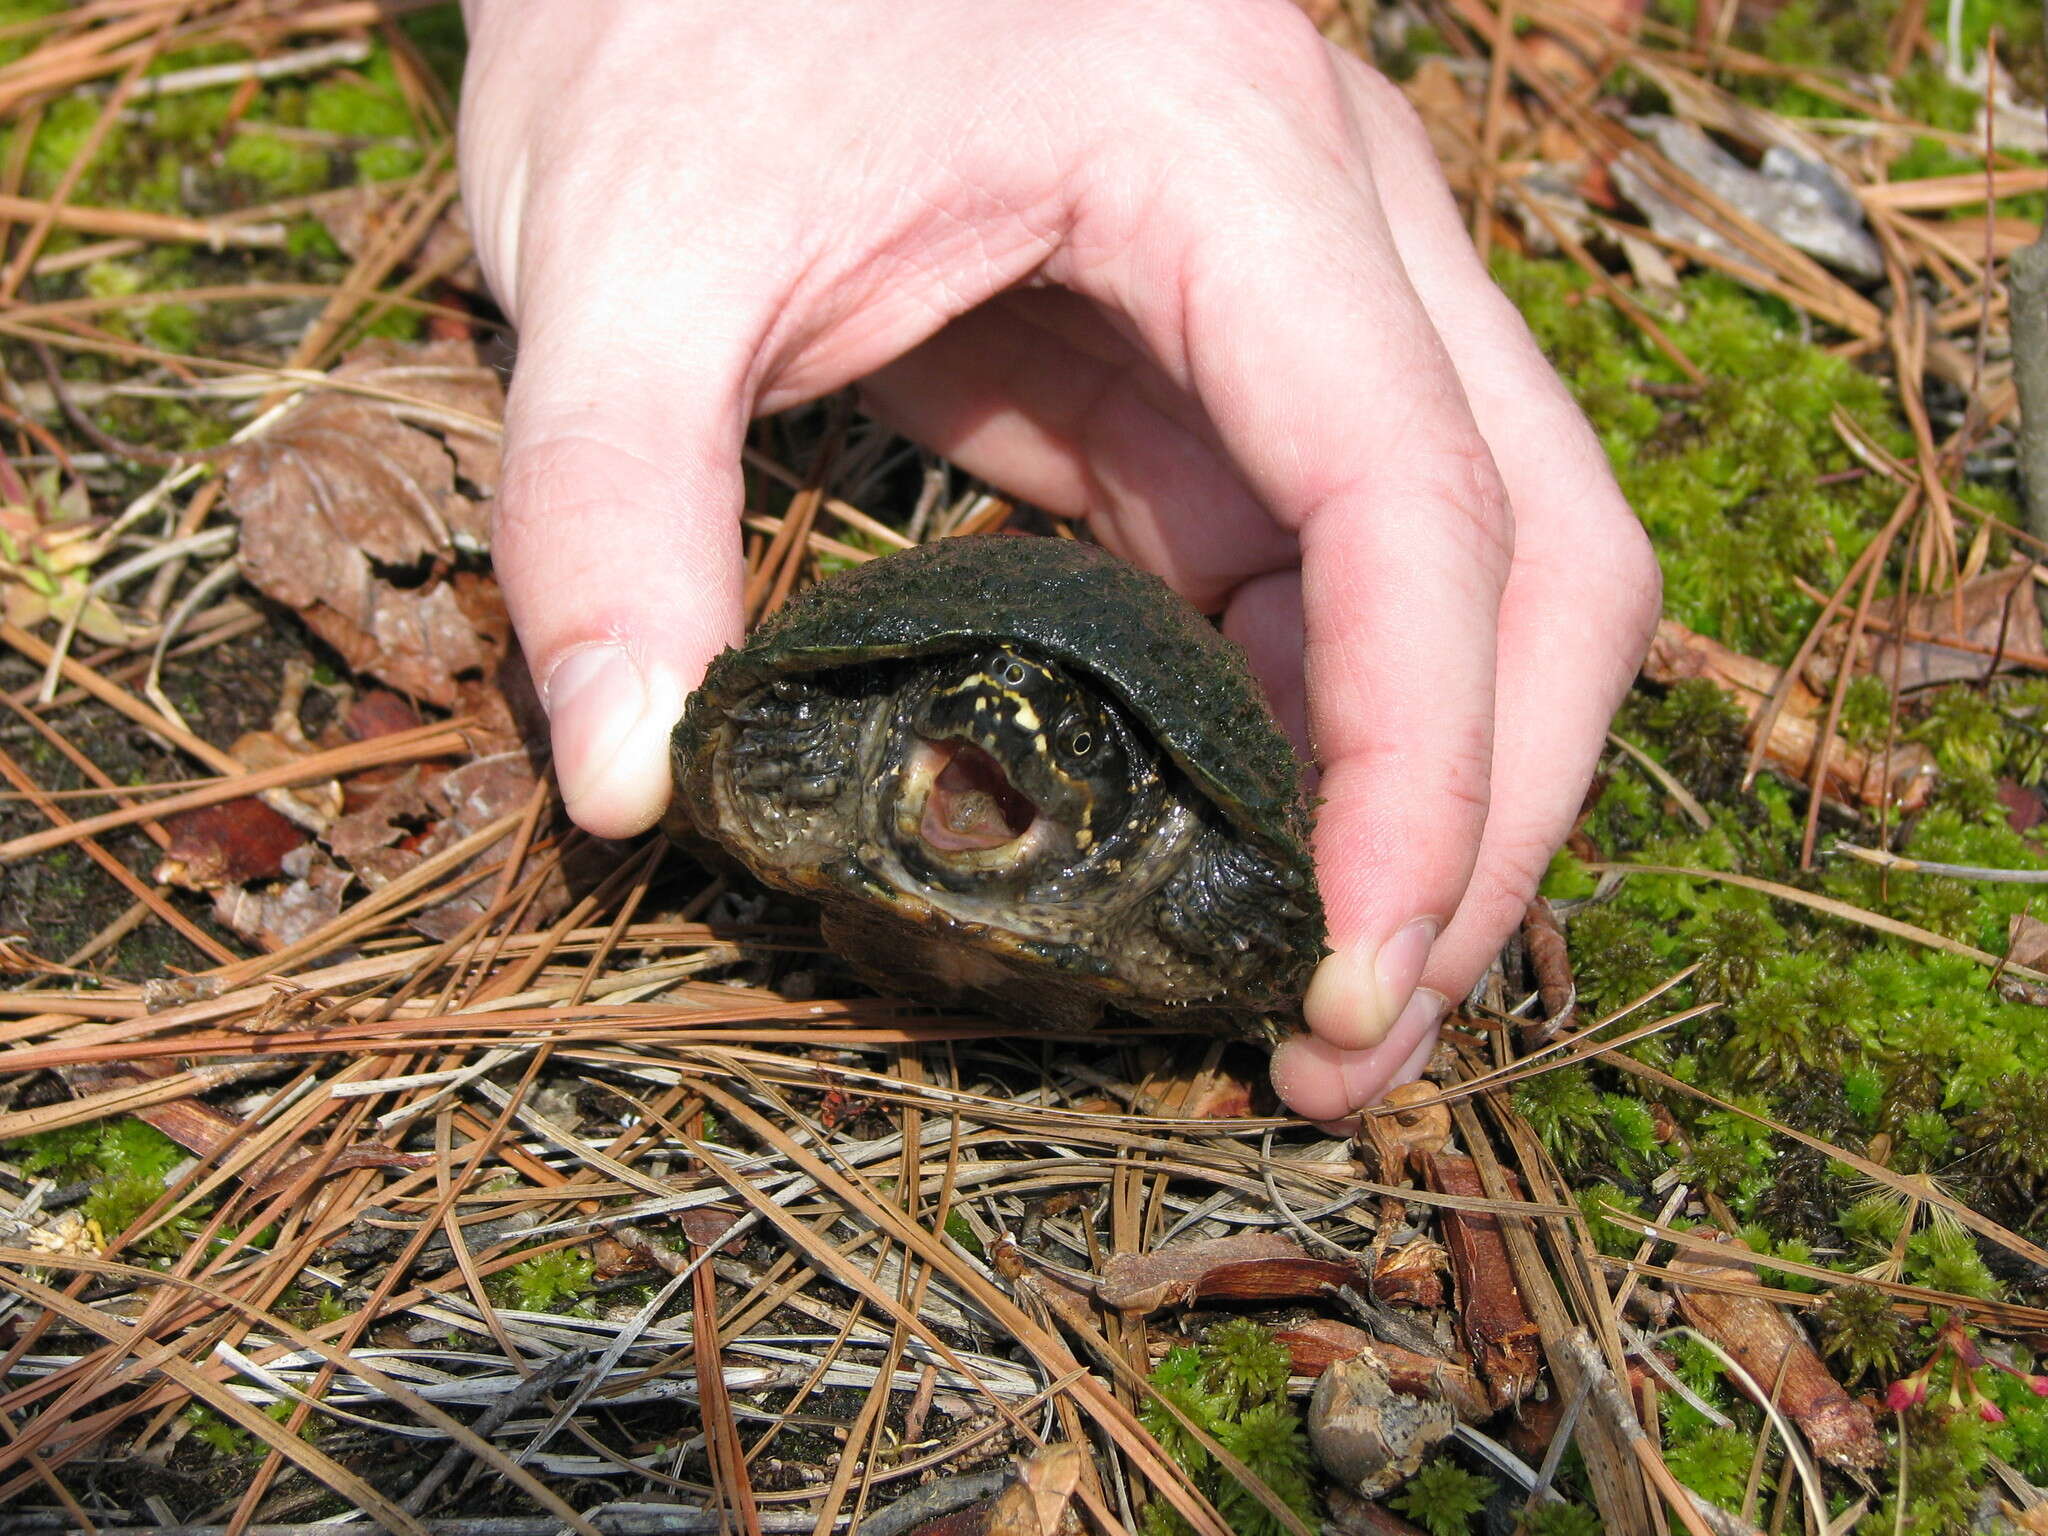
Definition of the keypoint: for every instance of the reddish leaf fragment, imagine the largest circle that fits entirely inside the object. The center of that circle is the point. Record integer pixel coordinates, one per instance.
(225, 844)
(1503, 1337)
(378, 712)
(1776, 1353)
(2025, 807)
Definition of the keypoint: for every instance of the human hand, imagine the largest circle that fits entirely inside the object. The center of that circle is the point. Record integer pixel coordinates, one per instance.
(1176, 266)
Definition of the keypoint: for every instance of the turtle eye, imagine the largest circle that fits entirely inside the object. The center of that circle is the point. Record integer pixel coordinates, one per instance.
(1011, 674)
(1080, 742)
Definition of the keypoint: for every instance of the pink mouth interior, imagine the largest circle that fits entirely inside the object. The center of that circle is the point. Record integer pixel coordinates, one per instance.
(972, 803)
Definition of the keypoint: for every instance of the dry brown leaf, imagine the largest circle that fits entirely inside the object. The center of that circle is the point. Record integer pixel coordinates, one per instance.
(226, 844)
(416, 817)
(2027, 941)
(1994, 616)
(1041, 1501)
(352, 515)
(279, 915)
(1854, 776)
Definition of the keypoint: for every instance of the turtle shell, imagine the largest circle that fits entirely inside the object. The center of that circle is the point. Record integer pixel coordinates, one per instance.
(1074, 603)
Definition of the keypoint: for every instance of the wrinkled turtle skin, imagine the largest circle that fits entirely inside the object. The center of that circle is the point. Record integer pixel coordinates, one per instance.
(1019, 774)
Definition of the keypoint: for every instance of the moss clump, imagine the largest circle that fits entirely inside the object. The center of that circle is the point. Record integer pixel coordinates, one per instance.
(558, 1281)
(1727, 479)
(1234, 1387)
(1442, 1498)
(1860, 1327)
(277, 166)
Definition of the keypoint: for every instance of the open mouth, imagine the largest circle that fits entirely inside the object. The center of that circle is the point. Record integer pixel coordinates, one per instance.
(972, 804)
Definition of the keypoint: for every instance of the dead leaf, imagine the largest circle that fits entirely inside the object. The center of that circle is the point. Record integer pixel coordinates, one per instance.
(1994, 615)
(1041, 1501)
(1854, 776)
(2027, 941)
(226, 844)
(415, 818)
(352, 514)
(278, 916)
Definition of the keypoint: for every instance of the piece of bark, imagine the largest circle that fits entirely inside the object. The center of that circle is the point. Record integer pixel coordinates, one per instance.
(1319, 1343)
(1410, 1121)
(1505, 1342)
(1259, 1266)
(1411, 1275)
(1904, 780)
(1543, 939)
(1775, 1351)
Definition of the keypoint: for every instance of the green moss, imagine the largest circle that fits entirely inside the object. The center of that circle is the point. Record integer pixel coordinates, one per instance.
(1860, 1327)
(279, 167)
(386, 162)
(1728, 479)
(1442, 1498)
(556, 1281)
(1714, 1464)
(1945, 1258)
(1234, 1386)
(1563, 1520)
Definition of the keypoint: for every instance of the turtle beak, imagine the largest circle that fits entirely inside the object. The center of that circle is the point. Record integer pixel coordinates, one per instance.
(972, 805)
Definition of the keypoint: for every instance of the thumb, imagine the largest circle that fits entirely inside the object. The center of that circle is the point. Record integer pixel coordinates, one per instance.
(616, 537)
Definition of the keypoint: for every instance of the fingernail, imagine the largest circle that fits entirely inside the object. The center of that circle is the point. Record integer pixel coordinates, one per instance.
(1356, 997)
(610, 721)
(1367, 1080)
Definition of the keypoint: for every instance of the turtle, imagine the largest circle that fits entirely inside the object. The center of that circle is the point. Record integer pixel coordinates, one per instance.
(1019, 774)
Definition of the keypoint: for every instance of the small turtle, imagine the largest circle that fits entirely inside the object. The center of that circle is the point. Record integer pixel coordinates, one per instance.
(1020, 774)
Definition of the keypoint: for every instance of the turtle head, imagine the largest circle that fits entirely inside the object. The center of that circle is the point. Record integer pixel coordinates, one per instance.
(1016, 758)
